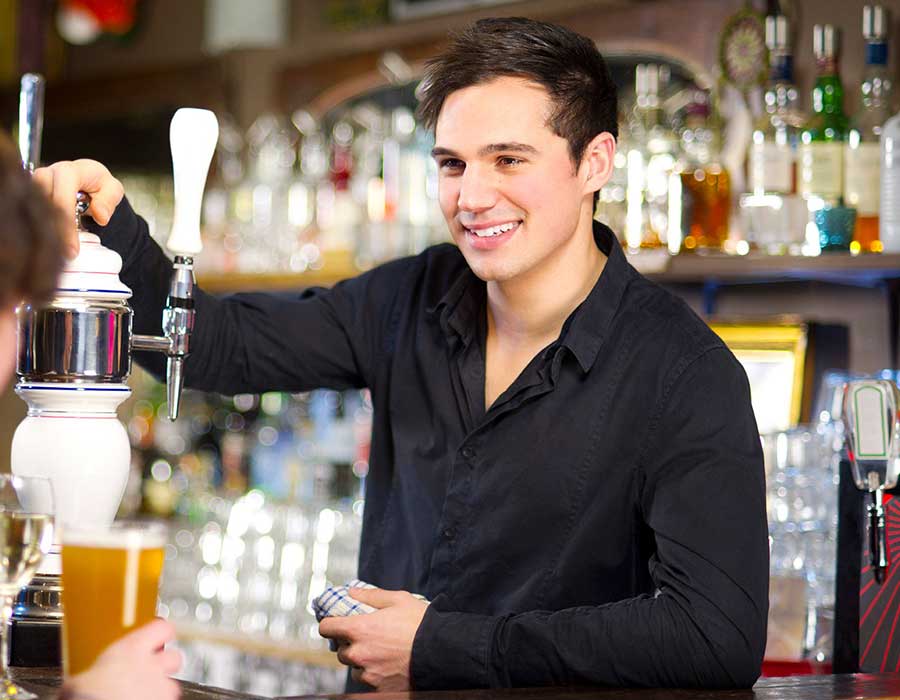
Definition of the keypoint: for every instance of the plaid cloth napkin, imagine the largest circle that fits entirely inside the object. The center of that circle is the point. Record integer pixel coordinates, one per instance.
(335, 601)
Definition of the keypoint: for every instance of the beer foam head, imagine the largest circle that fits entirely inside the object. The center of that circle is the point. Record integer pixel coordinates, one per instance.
(116, 536)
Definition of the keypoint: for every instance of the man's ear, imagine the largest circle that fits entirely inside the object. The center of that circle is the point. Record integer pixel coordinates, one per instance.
(598, 161)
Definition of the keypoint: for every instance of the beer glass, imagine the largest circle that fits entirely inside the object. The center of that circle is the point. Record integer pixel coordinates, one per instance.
(110, 579)
(26, 535)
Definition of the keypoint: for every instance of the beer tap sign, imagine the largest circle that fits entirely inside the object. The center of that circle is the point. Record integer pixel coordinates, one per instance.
(873, 441)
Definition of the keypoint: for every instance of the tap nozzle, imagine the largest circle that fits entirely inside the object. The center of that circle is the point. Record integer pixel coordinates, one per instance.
(178, 324)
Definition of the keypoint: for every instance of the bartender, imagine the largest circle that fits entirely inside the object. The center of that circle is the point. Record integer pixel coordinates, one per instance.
(31, 257)
(564, 461)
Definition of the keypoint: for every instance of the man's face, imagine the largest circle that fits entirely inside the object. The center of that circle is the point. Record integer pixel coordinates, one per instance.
(500, 165)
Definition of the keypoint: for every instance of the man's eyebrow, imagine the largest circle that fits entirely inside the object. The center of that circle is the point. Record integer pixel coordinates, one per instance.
(508, 147)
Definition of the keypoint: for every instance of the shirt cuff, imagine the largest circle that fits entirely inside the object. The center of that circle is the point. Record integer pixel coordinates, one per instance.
(125, 233)
(120, 222)
(451, 648)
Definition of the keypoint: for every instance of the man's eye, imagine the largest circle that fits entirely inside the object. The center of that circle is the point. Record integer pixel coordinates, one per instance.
(451, 164)
(509, 160)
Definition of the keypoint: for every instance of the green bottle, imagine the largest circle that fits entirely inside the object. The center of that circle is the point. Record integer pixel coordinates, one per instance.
(822, 139)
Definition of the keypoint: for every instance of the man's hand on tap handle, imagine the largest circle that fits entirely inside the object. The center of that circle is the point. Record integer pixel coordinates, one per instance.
(63, 180)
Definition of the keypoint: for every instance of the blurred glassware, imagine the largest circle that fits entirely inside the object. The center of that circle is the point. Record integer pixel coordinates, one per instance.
(801, 499)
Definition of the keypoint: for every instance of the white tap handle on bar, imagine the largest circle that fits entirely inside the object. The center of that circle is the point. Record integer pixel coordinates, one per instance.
(193, 135)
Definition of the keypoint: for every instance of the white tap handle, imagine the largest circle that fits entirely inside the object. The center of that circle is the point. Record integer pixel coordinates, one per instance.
(193, 135)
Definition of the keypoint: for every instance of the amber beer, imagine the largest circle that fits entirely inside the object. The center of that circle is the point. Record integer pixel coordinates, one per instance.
(110, 584)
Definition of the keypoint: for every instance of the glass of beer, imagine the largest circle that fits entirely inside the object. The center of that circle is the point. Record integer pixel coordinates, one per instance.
(110, 579)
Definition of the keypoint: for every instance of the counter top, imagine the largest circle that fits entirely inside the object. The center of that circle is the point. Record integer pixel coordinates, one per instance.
(45, 683)
(856, 687)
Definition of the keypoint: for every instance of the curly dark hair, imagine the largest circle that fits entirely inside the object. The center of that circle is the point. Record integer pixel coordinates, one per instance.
(568, 65)
(31, 237)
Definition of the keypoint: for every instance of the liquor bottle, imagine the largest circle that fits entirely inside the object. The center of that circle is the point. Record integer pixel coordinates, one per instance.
(773, 214)
(862, 157)
(705, 184)
(338, 212)
(822, 140)
(777, 133)
(650, 164)
(889, 207)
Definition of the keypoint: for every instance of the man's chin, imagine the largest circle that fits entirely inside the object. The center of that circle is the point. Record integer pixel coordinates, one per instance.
(491, 274)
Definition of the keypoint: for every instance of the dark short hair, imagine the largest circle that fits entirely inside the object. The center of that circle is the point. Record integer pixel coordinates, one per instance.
(568, 65)
(31, 234)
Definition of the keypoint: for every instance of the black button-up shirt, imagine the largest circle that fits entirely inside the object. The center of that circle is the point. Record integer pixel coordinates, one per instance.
(602, 522)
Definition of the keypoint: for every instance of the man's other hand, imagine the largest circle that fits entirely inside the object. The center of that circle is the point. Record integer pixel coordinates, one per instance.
(378, 645)
(63, 180)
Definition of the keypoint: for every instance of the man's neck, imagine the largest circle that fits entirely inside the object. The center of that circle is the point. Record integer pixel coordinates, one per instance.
(533, 307)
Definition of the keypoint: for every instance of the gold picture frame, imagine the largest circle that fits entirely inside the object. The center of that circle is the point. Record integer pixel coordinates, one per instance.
(774, 355)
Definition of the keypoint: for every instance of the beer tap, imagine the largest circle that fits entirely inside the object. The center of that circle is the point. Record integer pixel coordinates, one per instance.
(74, 358)
(193, 134)
(31, 119)
(873, 436)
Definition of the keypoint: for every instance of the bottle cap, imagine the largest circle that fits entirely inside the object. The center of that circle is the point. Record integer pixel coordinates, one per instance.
(825, 41)
(777, 29)
(875, 23)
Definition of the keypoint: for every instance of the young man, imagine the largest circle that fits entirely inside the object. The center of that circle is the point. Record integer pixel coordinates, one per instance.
(31, 257)
(564, 458)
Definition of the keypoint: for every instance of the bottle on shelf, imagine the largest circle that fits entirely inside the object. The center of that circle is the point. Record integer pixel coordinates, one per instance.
(862, 156)
(650, 164)
(889, 206)
(822, 141)
(704, 182)
(773, 215)
(339, 213)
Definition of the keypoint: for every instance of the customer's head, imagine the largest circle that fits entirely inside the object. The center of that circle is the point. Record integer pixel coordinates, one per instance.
(566, 64)
(31, 247)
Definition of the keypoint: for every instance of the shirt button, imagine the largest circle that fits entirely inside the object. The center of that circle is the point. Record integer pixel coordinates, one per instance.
(468, 452)
(449, 533)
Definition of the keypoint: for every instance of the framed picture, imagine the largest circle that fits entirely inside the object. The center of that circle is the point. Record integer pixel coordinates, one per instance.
(774, 357)
(412, 9)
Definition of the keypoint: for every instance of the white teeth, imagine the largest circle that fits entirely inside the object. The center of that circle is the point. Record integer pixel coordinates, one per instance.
(495, 230)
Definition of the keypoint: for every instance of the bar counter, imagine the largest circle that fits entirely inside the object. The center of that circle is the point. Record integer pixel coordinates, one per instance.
(45, 684)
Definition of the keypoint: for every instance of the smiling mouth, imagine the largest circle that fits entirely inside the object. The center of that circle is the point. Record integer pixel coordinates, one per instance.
(493, 230)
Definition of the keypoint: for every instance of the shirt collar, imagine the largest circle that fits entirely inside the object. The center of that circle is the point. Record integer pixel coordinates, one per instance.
(462, 307)
(458, 310)
(585, 331)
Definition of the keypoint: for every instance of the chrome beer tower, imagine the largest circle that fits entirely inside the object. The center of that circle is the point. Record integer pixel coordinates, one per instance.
(86, 356)
(74, 357)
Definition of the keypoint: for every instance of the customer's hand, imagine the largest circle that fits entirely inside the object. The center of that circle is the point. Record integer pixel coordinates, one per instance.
(63, 180)
(378, 645)
(136, 667)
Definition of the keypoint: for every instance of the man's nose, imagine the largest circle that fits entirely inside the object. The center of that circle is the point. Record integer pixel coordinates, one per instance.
(477, 190)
